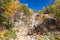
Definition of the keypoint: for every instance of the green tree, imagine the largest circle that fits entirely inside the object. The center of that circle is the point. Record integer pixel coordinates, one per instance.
(25, 10)
(4, 18)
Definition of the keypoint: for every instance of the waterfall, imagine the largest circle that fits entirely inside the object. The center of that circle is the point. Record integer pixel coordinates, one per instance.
(33, 19)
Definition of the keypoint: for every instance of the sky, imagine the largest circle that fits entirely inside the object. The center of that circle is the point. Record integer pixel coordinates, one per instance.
(37, 5)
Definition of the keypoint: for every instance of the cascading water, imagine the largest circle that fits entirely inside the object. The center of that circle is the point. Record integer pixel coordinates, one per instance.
(33, 20)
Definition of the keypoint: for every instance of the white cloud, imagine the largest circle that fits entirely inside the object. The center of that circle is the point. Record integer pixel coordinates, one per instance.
(26, 4)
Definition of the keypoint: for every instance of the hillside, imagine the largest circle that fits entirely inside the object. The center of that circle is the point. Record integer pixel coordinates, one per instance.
(18, 22)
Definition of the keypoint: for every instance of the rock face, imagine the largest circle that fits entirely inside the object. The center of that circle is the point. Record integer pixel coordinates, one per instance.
(36, 26)
(19, 24)
(58, 27)
(50, 21)
(40, 28)
(47, 25)
(50, 24)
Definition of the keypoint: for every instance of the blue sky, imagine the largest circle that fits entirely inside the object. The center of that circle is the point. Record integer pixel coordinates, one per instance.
(37, 5)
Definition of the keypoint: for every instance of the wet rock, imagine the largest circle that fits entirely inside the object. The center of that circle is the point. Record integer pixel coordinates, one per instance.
(50, 21)
(58, 27)
(50, 24)
(40, 27)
